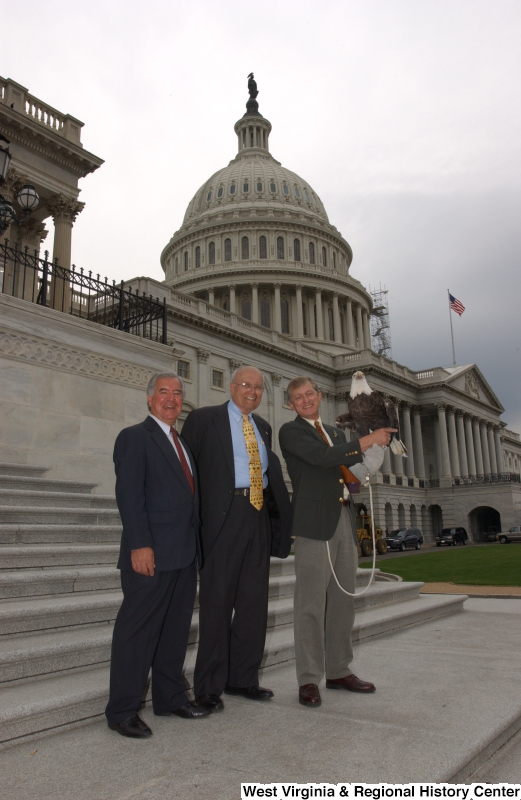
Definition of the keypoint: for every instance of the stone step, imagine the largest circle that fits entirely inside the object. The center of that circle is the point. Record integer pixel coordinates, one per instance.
(44, 484)
(21, 470)
(50, 702)
(46, 515)
(27, 534)
(28, 498)
(57, 555)
(60, 580)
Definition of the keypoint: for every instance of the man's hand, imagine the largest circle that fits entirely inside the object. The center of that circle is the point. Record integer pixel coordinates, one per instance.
(381, 437)
(143, 561)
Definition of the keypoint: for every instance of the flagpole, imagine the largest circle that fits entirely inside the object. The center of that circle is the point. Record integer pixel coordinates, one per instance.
(451, 331)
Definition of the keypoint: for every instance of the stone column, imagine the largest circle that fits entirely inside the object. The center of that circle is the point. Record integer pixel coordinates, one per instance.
(276, 316)
(311, 316)
(437, 447)
(255, 303)
(477, 446)
(386, 466)
(484, 448)
(407, 432)
(469, 446)
(64, 211)
(300, 325)
(320, 319)
(499, 449)
(211, 296)
(277, 408)
(492, 450)
(202, 376)
(418, 444)
(349, 320)
(453, 444)
(232, 299)
(367, 329)
(359, 327)
(462, 450)
(444, 443)
(336, 320)
(397, 461)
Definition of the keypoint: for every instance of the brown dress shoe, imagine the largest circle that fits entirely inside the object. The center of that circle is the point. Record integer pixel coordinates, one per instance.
(309, 695)
(352, 684)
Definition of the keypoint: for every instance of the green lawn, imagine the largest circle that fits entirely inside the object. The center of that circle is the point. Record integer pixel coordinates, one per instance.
(491, 565)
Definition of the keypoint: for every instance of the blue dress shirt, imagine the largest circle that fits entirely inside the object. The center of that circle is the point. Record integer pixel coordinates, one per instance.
(241, 458)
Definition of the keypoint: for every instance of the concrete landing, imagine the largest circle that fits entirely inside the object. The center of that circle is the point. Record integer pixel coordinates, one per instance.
(448, 696)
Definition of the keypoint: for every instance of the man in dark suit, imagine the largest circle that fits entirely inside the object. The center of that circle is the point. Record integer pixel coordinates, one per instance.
(157, 496)
(323, 519)
(245, 517)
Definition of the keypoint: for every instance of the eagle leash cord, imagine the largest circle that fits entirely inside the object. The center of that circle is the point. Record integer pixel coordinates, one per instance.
(357, 594)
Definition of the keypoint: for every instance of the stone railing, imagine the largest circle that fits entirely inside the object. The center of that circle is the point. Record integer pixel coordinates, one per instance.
(498, 477)
(18, 98)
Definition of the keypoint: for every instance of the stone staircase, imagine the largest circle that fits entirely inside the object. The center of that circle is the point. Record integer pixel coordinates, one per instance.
(60, 593)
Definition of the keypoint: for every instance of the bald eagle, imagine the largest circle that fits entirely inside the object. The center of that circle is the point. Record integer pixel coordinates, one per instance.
(368, 410)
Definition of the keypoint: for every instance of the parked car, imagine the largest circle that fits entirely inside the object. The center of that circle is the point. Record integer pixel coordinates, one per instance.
(512, 535)
(405, 537)
(490, 535)
(451, 536)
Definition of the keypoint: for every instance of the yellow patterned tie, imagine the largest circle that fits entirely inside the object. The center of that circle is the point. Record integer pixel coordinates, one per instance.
(252, 448)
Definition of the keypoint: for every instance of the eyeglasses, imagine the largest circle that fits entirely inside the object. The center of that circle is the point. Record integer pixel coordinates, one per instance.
(250, 387)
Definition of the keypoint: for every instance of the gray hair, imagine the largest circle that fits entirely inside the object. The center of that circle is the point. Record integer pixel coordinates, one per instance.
(296, 383)
(245, 366)
(154, 379)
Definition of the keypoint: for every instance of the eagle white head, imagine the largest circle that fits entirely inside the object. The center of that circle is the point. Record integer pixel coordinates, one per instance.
(359, 385)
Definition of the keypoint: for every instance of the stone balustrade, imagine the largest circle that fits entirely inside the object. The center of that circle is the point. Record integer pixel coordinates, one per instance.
(18, 98)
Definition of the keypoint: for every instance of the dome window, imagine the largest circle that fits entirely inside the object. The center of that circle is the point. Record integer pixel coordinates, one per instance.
(306, 195)
(265, 313)
(263, 247)
(220, 192)
(280, 248)
(296, 249)
(246, 308)
(245, 247)
(232, 189)
(211, 253)
(186, 261)
(227, 249)
(324, 257)
(209, 196)
(285, 189)
(197, 257)
(259, 186)
(297, 192)
(311, 253)
(273, 188)
(246, 187)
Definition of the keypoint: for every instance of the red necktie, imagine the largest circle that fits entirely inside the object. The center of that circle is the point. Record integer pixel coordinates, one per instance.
(182, 459)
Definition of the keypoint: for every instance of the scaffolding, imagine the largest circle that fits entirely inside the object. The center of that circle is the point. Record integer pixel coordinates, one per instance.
(380, 323)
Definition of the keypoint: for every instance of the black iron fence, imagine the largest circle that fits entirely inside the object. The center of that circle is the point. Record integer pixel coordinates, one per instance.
(29, 277)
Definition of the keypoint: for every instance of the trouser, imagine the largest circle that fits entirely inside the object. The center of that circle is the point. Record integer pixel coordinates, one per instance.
(151, 630)
(233, 600)
(324, 615)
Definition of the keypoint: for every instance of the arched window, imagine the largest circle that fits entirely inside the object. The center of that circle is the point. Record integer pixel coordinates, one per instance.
(227, 249)
(245, 247)
(259, 186)
(296, 249)
(245, 186)
(324, 257)
(331, 326)
(232, 189)
(246, 308)
(285, 189)
(226, 304)
(307, 195)
(334, 260)
(197, 257)
(211, 253)
(265, 312)
(186, 261)
(273, 187)
(284, 315)
(220, 192)
(209, 196)
(263, 248)
(280, 248)
(311, 253)
(297, 192)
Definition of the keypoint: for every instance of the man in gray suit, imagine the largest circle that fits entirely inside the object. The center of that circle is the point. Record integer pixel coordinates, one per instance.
(323, 518)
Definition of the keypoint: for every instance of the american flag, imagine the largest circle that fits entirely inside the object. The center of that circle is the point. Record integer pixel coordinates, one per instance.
(456, 306)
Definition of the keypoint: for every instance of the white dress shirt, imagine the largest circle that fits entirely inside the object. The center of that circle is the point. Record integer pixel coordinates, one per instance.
(166, 428)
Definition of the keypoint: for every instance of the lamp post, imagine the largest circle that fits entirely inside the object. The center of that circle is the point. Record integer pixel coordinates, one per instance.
(27, 197)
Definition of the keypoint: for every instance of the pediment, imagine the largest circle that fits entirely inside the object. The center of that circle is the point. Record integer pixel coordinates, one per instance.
(471, 381)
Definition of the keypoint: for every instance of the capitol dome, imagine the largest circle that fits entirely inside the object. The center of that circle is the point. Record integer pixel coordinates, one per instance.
(256, 241)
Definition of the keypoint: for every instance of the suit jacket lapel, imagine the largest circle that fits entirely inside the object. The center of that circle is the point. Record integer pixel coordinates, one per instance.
(225, 434)
(259, 422)
(309, 428)
(164, 445)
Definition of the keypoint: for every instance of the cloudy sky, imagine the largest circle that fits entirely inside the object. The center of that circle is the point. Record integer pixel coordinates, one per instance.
(403, 115)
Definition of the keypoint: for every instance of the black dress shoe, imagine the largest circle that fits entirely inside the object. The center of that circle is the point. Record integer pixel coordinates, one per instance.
(250, 692)
(133, 727)
(190, 710)
(210, 701)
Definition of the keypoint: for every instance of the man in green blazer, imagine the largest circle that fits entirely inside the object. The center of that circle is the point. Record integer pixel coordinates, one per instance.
(323, 516)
